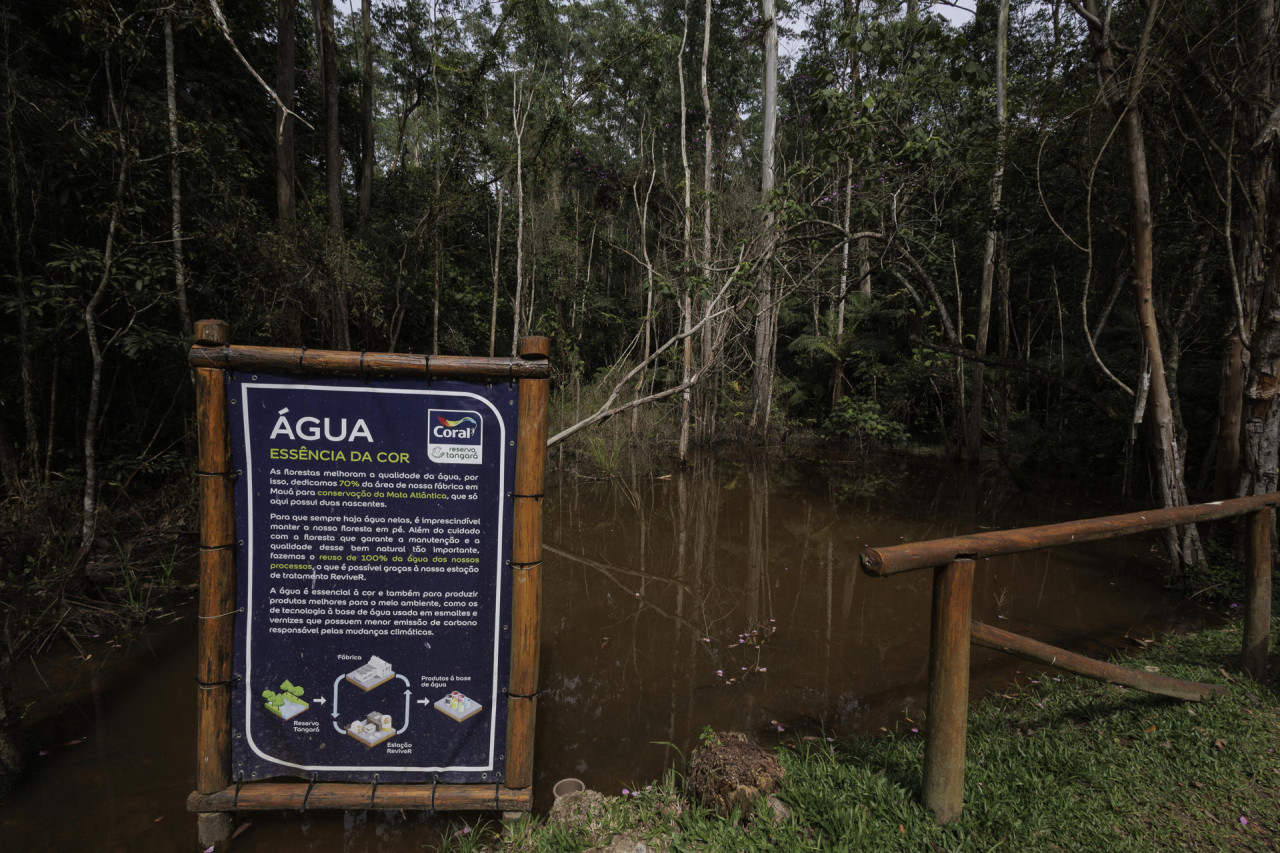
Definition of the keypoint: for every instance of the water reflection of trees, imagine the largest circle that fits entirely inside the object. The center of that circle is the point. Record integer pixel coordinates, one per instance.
(652, 580)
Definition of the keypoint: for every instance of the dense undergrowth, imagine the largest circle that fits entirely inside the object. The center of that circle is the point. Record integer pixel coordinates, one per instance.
(142, 554)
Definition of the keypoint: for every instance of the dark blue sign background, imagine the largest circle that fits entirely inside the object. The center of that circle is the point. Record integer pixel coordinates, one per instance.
(374, 528)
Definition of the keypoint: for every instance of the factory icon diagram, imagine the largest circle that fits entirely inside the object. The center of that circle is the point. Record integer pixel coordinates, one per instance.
(351, 710)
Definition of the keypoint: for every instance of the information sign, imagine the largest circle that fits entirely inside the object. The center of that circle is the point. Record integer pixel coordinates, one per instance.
(373, 527)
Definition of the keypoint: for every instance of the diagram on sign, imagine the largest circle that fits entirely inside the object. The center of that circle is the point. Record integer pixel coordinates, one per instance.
(374, 673)
(458, 707)
(374, 727)
(286, 704)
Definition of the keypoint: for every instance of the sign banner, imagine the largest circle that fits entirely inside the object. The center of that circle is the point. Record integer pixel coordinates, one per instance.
(373, 521)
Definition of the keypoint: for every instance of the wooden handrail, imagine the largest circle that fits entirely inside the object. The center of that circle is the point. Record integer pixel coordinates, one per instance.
(953, 562)
(894, 559)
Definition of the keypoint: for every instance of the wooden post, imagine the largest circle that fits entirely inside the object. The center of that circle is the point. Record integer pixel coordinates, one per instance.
(217, 586)
(526, 568)
(948, 702)
(1257, 594)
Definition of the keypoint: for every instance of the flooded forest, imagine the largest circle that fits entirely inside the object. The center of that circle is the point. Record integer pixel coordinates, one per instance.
(816, 276)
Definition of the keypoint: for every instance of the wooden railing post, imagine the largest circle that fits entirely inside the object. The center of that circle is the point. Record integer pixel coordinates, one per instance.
(217, 585)
(526, 559)
(948, 702)
(1257, 593)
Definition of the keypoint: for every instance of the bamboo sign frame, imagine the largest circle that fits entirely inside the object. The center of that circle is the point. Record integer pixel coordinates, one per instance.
(217, 796)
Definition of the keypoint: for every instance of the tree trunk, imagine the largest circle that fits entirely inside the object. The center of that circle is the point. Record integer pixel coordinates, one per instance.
(708, 334)
(175, 182)
(90, 503)
(1260, 433)
(286, 15)
(366, 113)
(1183, 544)
(327, 51)
(26, 369)
(974, 428)
(497, 267)
(519, 115)
(1226, 469)
(686, 299)
(762, 384)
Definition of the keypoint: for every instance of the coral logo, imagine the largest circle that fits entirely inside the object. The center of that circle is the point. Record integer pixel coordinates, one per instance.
(454, 437)
(450, 428)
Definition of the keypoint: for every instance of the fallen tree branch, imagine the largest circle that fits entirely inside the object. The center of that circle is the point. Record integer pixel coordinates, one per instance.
(608, 409)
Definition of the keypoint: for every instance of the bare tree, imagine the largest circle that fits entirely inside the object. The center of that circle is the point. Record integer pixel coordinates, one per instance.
(762, 385)
(175, 180)
(974, 431)
(1258, 119)
(520, 107)
(686, 298)
(1122, 96)
(286, 15)
(366, 113)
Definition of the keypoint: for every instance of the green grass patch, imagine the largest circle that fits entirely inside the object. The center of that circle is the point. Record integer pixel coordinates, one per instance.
(1052, 765)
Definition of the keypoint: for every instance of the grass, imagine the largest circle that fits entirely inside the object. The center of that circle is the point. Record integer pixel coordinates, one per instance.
(1053, 765)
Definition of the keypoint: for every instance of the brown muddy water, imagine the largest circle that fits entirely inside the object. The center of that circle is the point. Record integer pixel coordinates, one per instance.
(727, 596)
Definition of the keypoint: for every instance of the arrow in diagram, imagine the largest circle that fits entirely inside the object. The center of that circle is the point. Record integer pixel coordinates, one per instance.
(406, 714)
(320, 700)
(336, 682)
(339, 728)
(426, 700)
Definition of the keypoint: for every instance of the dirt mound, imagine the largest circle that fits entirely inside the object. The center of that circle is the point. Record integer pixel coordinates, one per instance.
(731, 773)
(583, 809)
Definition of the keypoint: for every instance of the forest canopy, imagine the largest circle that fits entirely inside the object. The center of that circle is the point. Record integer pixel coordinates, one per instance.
(1046, 232)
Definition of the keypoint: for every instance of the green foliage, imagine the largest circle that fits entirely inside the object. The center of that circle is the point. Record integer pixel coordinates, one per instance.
(861, 421)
